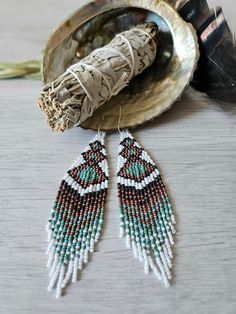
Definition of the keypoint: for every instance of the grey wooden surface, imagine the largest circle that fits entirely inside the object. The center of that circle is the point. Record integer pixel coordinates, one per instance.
(195, 146)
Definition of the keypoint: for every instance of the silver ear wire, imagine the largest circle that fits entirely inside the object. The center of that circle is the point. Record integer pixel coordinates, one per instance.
(100, 124)
(119, 120)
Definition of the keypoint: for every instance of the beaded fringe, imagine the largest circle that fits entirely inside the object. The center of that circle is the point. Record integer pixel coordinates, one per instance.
(146, 217)
(77, 217)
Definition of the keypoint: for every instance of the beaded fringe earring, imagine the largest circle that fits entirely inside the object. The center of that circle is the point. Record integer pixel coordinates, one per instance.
(146, 217)
(77, 217)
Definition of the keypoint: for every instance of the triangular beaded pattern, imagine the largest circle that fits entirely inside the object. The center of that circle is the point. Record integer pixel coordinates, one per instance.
(146, 216)
(77, 217)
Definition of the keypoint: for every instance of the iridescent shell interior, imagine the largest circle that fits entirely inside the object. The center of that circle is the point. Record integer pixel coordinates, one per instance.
(148, 94)
(101, 29)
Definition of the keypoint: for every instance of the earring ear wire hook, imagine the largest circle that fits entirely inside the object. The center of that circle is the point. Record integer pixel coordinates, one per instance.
(119, 120)
(100, 124)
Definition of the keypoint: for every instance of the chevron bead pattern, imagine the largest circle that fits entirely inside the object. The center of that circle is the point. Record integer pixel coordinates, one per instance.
(77, 217)
(146, 216)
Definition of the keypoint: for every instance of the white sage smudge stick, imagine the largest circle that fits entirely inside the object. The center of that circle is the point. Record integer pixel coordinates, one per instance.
(76, 94)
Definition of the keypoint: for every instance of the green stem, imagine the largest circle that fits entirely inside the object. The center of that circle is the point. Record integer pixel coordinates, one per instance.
(28, 69)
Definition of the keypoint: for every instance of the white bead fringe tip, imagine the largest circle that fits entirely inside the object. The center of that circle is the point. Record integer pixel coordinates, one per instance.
(162, 265)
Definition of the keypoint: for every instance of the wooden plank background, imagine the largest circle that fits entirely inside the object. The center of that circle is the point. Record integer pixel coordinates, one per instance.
(195, 146)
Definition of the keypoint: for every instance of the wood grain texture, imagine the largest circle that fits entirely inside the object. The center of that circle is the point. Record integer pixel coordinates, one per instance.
(195, 146)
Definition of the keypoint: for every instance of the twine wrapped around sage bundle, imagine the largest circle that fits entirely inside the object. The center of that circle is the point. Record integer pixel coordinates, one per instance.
(76, 94)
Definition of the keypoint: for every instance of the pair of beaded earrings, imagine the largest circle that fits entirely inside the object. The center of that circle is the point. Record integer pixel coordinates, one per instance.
(76, 221)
